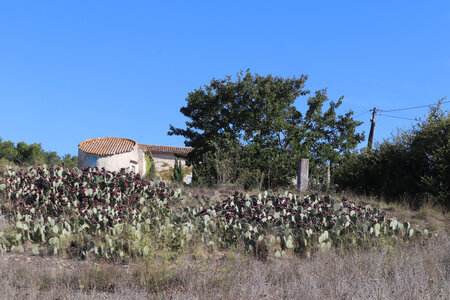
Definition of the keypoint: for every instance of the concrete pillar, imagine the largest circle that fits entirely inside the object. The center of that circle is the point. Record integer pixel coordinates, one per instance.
(303, 175)
(328, 178)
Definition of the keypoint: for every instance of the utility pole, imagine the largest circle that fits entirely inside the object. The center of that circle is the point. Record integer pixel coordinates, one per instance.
(372, 128)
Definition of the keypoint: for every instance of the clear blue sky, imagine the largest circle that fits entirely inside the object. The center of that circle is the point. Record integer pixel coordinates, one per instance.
(73, 70)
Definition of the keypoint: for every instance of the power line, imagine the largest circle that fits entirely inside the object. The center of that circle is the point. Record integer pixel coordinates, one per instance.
(397, 117)
(363, 113)
(375, 112)
(414, 107)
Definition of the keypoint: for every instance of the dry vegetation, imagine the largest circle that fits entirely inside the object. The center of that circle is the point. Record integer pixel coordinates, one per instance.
(432, 218)
(418, 271)
(403, 271)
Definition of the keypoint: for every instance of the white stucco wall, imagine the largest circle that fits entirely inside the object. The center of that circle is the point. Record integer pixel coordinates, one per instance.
(115, 162)
(142, 163)
(164, 161)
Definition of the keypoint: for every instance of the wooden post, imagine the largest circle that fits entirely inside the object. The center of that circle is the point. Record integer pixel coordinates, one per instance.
(303, 175)
(372, 129)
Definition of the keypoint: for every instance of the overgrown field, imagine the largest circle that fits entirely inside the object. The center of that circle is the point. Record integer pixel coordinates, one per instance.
(117, 234)
(412, 272)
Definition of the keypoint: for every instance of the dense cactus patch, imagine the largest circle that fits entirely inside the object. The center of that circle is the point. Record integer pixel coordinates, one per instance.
(76, 212)
(99, 198)
(301, 223)
(61, 206)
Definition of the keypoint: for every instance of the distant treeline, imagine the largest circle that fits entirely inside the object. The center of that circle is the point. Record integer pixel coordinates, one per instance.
(413, 166)
(22, 154)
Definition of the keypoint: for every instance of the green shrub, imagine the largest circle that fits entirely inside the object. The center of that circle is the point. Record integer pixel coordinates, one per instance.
(412, 165)
(177, 175)
(150, 170)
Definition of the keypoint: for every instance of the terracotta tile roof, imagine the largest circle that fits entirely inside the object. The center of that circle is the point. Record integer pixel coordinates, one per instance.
(107, 146)
(166, 149)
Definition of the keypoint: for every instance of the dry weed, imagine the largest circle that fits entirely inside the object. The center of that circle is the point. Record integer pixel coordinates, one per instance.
(420, 271)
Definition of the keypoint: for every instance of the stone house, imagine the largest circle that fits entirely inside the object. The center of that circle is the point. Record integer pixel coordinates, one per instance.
(164, 156)
(114, 153)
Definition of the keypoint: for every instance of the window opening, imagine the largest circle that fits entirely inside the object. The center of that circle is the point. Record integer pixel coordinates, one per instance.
(92, 161)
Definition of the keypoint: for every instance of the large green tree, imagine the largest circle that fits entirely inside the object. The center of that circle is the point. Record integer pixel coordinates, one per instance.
(248, 130)
(7, 150)
(31, 154)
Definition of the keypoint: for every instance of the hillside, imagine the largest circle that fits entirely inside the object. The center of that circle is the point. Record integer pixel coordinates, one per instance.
(124, 237)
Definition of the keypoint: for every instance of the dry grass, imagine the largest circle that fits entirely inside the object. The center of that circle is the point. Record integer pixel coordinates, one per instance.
(420, 271)
(433, 218)
(4, 223)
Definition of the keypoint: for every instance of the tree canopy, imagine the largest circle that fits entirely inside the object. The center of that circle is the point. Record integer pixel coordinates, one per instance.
(24, 154)
(248, 130)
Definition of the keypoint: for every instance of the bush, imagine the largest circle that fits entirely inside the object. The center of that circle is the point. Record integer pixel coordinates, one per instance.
(413, 164)
(150, 170)
(177, 175)
(5, 164)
